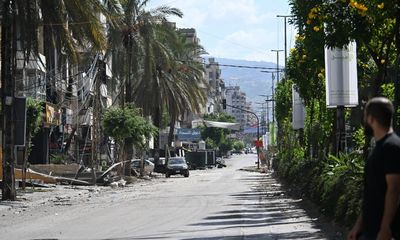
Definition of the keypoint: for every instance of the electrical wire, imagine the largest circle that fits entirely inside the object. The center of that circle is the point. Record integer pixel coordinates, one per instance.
(59, 77)
(243, 66)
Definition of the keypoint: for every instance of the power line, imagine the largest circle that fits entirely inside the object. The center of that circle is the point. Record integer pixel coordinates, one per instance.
(243, 66)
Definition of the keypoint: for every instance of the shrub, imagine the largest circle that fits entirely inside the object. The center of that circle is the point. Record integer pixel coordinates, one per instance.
(334, 184)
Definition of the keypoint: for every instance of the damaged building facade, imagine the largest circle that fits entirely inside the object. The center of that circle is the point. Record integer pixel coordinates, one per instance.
(67, 93)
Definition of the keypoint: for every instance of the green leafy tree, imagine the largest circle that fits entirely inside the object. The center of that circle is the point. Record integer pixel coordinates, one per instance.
(210, 144)
(306, 154)
(226, 145)
(34, 111)
(238, 145)
(218, 136)
(373, 24)
(125, 123)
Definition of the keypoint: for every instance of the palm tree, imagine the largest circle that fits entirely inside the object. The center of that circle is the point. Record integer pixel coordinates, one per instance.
(134, 43)
(127, 41)
(172, 79)
(188, 73)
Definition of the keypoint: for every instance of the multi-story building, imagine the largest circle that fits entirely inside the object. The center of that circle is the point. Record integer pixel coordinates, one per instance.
(65, 90)
(216, 86)
(250, 118)
(186, 122)
(236, 98)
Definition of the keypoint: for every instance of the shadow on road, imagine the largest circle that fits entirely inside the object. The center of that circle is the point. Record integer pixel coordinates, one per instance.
(267, 207)
(263, 212)
(279, 236)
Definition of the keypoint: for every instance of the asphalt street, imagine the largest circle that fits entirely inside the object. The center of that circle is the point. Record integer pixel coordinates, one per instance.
(211, 204)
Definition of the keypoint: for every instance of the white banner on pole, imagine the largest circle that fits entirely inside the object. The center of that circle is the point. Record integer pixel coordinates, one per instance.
(266, 140)
(299, 110)
(341, 76)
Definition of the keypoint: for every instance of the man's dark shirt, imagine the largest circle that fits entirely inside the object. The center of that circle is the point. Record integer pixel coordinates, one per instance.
(384, 159)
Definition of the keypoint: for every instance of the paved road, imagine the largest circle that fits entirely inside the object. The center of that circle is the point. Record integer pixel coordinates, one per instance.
(212, 204)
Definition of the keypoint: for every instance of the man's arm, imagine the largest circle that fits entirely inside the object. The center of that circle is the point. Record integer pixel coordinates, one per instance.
(356, 230)
(391, 202)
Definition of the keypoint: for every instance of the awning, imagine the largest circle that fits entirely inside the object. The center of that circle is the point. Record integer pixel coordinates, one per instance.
(226, 125)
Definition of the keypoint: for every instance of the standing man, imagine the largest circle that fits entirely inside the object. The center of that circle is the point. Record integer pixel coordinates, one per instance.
(380, 217)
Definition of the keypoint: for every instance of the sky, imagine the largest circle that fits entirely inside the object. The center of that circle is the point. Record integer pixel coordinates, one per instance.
(237, 29)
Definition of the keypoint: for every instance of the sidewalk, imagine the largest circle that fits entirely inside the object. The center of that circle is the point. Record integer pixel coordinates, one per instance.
(272, 194)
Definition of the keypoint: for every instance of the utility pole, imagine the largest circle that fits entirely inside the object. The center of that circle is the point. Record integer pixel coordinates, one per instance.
(272, 106)
(285, 19)
(8, 50)
(277, 62)
(267, 102)
(273, 97)
(96, 119)
(263, 116)
(270, 98)
(272, 91)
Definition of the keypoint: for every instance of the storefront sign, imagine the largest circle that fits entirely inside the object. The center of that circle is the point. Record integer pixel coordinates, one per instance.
(186, 134)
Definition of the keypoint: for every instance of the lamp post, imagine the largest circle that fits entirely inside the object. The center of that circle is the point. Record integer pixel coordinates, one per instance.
(258, 130)
(285, 19)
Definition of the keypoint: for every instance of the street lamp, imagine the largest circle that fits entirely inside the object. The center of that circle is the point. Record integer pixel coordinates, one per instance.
(285, 19)
(258, 130)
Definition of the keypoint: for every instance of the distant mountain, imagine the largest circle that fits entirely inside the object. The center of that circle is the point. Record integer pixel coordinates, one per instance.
(251, 81)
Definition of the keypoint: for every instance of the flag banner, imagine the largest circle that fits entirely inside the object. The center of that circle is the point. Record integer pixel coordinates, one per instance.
(341, 76)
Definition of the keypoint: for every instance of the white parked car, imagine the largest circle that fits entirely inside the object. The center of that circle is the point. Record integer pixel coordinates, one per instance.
(148, 166)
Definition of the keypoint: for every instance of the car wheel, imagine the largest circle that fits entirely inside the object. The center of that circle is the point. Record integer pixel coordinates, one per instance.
(186, 174)
(167, 175)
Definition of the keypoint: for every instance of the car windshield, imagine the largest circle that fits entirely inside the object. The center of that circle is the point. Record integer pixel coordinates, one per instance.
(176, 161)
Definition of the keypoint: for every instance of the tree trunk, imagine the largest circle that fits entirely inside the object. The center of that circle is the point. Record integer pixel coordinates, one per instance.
(379, 80)
(128, 155)
(142, 164)
(157, 123)
(128, 149)
(311, 132)
(121, 157)
(171, 131)
(7, 87)
(320, 153)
